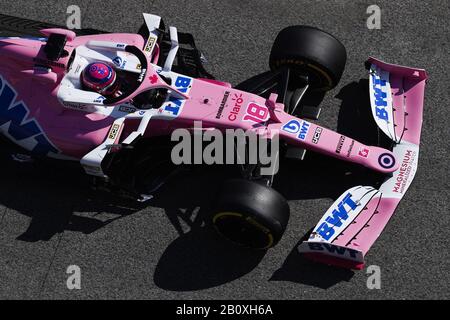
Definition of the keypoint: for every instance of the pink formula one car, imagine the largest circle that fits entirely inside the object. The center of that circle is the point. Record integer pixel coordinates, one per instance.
(98, 99)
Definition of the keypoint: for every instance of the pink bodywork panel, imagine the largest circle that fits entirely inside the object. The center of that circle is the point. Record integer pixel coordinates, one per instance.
(407, 87)
(72, 132)
(250, 112)
(215, 103)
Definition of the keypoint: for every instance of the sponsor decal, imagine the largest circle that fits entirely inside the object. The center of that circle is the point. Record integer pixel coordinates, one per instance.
(363, 152)
(222, 104)
(340, 214)
(91, 168)
(113, 132)
(76, 106)
(317, 246)
(16, 125)
(256, 113)
(238, 100)
(99, 99)
(303, 130)
(350, 148)
(119, 62)
(380, 94)
(297, 127)
(386, 160)
(402, 177)
(340, 144)
(316, 136)
(153, 79)
(149, 44)
(293, 126)
(141, 75)
(120, 45)
(127, 109)
(175, 104)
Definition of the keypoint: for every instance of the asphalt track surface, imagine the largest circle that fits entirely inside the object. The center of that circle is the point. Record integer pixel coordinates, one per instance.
(48, 220)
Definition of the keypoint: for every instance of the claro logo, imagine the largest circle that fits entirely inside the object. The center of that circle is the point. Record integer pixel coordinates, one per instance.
(237, 100)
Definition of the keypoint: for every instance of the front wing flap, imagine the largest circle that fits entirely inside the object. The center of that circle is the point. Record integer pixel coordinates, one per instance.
(356, 219)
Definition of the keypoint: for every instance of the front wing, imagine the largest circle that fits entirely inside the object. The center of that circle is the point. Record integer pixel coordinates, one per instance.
(356, 219)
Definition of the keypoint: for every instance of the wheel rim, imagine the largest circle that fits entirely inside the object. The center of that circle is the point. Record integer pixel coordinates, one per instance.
(243, 231)
(318, 77)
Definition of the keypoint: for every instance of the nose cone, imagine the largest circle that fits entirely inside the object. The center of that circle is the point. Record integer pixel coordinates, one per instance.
(382, 160)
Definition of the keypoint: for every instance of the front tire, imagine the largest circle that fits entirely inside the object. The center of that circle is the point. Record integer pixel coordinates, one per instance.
(250, 214)
(311, 50)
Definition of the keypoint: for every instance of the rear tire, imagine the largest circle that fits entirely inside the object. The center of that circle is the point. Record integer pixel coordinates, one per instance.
(311, 50)
(250, 214)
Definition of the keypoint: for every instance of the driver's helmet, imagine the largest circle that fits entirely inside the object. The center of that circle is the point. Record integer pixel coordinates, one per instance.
(100, 77)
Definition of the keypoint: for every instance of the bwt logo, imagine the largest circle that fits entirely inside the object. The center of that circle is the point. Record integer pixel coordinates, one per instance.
(119, 62)
(303, 130)
(15, 125)
(175, 104)
(296, 126)
(380, 98)
(316, 246)
(338, 215)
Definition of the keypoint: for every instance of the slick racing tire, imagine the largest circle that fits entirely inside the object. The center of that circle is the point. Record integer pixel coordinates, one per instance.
(250, 214)
(311, 50)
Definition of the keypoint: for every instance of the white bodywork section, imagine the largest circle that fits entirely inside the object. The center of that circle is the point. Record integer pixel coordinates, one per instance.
(173, 49)
(312, 246)
(380, 92)
(70, 92)
(396, 186)
(72, 96)
(360, 195)
(391, 191)
(152, 22)
(92, 161)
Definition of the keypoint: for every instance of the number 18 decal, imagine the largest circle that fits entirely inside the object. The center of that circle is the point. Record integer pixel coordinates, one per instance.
(256, 113)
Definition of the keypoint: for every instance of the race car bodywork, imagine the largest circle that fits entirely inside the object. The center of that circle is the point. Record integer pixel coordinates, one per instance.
(355, 220)
(45, 110)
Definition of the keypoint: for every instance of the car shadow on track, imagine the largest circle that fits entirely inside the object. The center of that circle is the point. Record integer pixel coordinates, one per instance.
(199, 259)
(56, 198)
(296, 268)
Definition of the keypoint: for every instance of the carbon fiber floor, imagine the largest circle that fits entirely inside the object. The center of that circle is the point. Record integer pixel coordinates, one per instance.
(48, 220)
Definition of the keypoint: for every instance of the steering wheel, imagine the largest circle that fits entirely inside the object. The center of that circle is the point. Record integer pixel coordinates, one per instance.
(143, 61)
